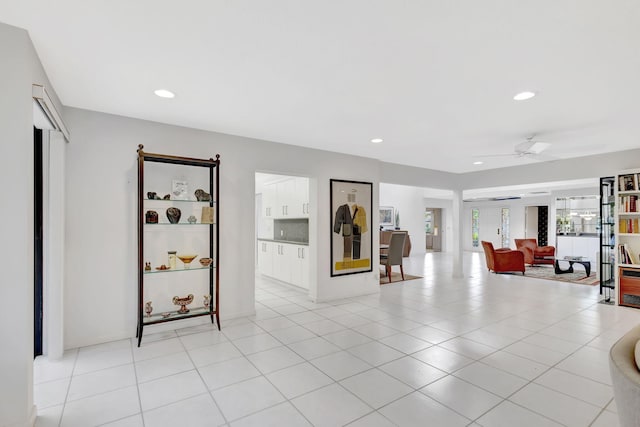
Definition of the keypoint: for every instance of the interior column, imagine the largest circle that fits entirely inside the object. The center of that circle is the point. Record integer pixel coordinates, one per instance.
(457, 231)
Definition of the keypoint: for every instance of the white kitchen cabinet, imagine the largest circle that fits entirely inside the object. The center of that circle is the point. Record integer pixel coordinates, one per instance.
(300, 266)
(265, 257)
(288, 198)
(284, 261)
(269, 201)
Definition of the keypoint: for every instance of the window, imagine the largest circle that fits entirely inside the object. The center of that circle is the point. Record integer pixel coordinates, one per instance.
(475, 227)
(504, 227)
(428, 222)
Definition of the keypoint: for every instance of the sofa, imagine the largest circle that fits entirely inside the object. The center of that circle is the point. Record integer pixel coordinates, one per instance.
(534, 254)
(503, 260)
(625, 377)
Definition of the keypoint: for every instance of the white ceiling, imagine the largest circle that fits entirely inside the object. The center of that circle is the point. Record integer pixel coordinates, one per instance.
(435, 79)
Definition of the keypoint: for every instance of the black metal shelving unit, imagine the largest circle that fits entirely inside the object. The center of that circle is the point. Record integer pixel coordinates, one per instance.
(607, 238)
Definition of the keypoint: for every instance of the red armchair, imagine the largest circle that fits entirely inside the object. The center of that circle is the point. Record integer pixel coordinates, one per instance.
(534, 254)
(503, 260)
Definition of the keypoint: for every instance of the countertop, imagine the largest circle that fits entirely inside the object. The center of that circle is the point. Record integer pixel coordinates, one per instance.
(291, 242)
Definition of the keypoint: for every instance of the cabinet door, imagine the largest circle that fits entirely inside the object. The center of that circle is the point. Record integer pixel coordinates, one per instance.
(304, 267)
(268, 201)
(265, 257)
(286, 198)
(300, 200)
(282, 260)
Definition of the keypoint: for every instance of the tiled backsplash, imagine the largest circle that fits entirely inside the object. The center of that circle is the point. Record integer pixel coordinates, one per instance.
(293, 230)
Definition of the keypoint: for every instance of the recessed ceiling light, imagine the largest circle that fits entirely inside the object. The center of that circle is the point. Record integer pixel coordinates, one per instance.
(376, 140)
(478, 162)
(163, 93)
(523, 96)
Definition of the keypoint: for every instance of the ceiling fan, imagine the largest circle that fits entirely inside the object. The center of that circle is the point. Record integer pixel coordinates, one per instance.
(531, 148)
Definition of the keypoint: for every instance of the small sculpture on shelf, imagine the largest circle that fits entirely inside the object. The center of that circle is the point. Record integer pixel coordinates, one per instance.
(167, 197)
(152, 195)
(148, 308)
(207, 302)
(147, 266)
(151, 217)
(183, 302)
(174, 215)
(192, 219)
(205, 262)
(202, 196)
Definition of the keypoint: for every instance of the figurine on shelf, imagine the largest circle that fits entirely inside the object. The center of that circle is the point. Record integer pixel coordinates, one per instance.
(174, 215)
(202, 196)
(147, 266)
(148, 308)
(192, 219)
(183, 302)
(151, 217)
(207, 301)
(167, 197)
(152, 195)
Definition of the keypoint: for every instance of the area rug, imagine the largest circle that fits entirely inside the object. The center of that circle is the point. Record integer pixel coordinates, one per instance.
(548, 272)
(396, 278)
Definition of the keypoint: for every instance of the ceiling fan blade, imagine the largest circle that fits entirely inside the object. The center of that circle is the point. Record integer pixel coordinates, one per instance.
(497, 155)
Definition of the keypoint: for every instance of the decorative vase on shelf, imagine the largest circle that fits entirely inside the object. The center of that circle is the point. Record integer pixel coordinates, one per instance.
(151, 217)
(183, 302)
(173, 214)
(148, 308)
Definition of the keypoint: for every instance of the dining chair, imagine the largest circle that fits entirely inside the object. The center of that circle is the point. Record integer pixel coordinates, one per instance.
(394, 254)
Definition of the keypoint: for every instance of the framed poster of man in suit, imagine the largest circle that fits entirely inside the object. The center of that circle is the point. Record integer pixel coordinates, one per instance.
(351, 242)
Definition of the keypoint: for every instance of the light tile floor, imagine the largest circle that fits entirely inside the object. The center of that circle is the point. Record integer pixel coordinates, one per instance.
(485, 350)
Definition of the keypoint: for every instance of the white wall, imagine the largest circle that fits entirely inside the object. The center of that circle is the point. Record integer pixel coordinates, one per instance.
(446, 225)
(100, 298)
(409, 202)
(20, 69)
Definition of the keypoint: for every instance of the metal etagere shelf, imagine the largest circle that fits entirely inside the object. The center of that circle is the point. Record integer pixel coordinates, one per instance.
(169, 232)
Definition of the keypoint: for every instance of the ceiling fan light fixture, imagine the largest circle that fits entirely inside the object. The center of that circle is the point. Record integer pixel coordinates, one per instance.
(538, 147)
(164, 93)
(523, 96)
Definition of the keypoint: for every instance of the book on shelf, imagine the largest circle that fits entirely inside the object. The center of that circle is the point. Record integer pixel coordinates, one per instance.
(628, 182)
(631, 225)
(625, 256)
(629, 204)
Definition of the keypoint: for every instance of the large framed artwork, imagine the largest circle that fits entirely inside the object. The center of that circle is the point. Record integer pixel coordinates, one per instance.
(351, 242)
(386, 215)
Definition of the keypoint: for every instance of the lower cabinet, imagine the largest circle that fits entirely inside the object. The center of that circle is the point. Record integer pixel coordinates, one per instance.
(284, 261)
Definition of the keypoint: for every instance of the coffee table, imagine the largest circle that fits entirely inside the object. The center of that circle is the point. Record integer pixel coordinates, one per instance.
(571, 261)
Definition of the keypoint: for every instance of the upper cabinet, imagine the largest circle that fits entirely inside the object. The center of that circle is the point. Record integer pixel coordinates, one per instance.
(288, 198)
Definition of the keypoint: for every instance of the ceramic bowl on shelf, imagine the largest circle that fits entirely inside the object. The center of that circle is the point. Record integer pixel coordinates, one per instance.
(206, 262)
(186, 259)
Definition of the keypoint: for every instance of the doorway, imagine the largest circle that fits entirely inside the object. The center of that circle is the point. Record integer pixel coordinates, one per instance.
(433, 229)
(38, 235)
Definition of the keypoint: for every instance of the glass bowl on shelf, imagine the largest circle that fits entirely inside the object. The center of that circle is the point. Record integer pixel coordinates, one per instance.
(186, 259)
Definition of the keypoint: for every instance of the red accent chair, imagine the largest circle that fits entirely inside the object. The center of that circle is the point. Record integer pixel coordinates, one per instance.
(503, 260)
(534, 254)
